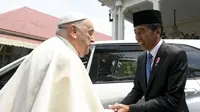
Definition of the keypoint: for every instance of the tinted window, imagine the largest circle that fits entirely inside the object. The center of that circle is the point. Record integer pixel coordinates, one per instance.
(5, 77)
(193, 60)
(114, 63)
(125, 68)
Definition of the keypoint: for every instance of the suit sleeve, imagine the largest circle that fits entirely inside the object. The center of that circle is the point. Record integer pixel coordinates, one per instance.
(136, 92)
(170, 101)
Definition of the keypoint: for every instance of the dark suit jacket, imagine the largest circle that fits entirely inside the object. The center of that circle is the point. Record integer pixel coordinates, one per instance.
(165, 89)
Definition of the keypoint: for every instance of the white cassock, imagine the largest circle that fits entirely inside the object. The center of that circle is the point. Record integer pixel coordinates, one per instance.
(51, 79)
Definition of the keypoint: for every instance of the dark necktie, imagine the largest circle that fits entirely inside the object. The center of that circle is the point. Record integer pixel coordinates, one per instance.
(148, 66)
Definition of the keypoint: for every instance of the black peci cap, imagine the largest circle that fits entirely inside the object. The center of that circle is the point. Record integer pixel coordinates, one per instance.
(147, 17)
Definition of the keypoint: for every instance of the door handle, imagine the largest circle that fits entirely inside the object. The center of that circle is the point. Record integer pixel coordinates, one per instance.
(190, 90)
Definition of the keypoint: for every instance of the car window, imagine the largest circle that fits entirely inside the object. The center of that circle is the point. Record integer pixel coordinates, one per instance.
(193, 59)
(124, 68)
(114, 64)
(5, 77)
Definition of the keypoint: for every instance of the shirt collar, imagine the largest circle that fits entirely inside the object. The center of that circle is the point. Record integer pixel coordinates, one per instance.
(155, 49)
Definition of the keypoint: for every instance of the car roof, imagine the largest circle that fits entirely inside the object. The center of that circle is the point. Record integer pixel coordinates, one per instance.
(190, 42)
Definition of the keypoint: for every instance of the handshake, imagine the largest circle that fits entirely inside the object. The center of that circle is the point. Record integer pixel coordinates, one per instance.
(117, 108)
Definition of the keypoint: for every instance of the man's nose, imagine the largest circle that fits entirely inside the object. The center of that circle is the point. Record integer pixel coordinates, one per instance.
(137, 37)
(92, 39)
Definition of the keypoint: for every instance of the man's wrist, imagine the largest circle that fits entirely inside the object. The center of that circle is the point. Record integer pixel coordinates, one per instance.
(128, 108)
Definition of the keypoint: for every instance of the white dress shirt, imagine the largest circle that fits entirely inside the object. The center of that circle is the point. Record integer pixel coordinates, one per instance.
(154, 51)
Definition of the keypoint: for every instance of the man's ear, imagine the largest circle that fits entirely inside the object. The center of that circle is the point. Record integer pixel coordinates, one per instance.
(73, 31)
(158, 31)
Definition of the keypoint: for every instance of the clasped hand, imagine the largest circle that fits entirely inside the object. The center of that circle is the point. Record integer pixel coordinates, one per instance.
(119, 107)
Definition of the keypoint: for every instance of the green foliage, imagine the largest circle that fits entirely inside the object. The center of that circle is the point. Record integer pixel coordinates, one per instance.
(126, 68)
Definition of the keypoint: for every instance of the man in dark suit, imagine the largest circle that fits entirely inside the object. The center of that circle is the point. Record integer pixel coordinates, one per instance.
(161, 70)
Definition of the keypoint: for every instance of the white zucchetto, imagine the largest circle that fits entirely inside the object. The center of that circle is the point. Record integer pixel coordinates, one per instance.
(72, 17)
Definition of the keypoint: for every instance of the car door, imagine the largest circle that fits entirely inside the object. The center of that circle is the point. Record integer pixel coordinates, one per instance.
(112, 71)
(8, 71)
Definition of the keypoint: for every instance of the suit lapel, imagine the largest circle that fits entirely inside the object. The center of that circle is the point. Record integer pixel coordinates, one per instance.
(160, 56)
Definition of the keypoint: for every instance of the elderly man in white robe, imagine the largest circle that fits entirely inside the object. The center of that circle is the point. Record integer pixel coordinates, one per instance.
(53, 78)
